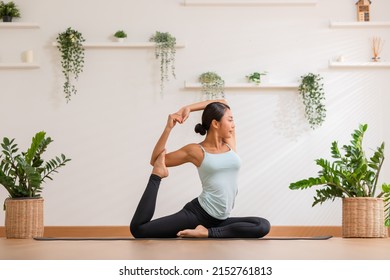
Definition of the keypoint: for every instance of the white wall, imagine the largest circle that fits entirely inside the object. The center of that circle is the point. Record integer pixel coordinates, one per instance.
(109, 128)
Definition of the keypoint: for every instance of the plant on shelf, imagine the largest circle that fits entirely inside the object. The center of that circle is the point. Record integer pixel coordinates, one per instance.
(212, 85)
(70, 45)
(352, 174)
(120, 35)
(8, 11)
(165, 51)
(255, 77)
(312, 93)
(22, 175)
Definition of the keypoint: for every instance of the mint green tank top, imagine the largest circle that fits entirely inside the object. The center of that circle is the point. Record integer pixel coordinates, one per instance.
(219, 175)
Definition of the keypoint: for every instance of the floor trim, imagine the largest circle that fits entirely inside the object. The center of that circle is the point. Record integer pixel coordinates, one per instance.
(123, 231)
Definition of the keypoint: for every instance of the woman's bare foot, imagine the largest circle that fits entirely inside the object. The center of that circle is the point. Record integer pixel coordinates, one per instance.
(159, 167)
(199, 232)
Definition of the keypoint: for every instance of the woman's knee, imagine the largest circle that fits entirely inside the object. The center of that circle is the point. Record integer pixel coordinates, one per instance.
(263, 227)
(136, 231)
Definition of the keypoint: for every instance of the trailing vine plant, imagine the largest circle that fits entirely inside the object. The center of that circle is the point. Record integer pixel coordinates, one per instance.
(72, 58)
(165, 51)
(212, 85)
(312, 93)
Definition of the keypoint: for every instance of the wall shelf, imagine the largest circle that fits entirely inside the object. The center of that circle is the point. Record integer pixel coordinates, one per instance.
(336, 64)
(360, 24)
(20, 65)
(18, 25)
(248, 2)
(247, 86)
(123, 45)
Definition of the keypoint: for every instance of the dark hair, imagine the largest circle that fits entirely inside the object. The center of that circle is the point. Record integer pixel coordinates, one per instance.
(213, 111)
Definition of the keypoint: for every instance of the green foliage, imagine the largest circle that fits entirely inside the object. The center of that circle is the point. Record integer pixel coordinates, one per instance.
(120, 34)
(255, 77)
(166, 52)
(72, 58)
(9, 9)
(313, 97)
(351, 174)
(22, 174)
(212, 85)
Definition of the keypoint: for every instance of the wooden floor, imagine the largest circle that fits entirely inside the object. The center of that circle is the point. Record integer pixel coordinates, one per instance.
(332, 249)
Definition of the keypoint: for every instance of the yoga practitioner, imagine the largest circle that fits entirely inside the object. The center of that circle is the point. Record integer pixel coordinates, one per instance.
(206, 216)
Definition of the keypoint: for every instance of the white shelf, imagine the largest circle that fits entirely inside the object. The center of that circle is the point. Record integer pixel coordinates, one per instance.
(360, 24)
(337, 64)
(20, 65)
(248, 2)
(247, 86)
(109, 45)
(20, 25)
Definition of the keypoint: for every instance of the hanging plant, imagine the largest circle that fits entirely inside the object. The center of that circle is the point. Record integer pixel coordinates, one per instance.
(313, 97)
(165, 51)
(212, 85)
(72, 58)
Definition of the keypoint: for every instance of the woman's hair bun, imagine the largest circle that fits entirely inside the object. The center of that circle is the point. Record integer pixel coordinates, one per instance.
(199, 128)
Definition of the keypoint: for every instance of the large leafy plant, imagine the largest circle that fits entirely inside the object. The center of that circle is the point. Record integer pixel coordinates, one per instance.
(70, 45)
(165, 51)
(22, 174)
(352, 174)
(312, 93)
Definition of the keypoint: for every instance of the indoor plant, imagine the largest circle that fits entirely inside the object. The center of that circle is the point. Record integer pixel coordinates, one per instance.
(22, 175)
(351, 175)
(255, 77)
(8, 11)
(165, 51)
(120, 35)
(312, 93)
(72, 58)
(212, 85)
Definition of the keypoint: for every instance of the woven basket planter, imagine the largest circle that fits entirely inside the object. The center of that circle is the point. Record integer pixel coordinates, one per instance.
(24, 218)
(364, 217)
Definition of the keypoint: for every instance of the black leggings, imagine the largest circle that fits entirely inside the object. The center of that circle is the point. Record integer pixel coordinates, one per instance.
(189, 217)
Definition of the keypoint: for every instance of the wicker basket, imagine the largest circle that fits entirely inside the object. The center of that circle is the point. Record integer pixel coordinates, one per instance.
(364, 217)
(24, 218)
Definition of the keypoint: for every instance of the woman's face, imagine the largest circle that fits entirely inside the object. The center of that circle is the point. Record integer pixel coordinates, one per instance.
(226, 125)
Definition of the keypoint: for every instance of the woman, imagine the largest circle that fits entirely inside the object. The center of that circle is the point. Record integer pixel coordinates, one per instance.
(206, 216)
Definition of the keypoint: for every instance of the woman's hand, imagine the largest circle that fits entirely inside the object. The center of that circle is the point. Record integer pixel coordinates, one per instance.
(173, 119)
(184, 113)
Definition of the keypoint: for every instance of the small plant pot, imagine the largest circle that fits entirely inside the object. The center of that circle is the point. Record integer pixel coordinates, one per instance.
(24, 218)
(121, 40)
(364, 217)
(7, 19)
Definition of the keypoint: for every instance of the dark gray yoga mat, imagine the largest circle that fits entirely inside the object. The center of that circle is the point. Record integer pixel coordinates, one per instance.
(325, 237)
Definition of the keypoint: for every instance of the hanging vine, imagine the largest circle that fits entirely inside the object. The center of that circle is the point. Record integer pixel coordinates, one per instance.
(313, 97)
(212, 85)
(72, 59)
(165, 51)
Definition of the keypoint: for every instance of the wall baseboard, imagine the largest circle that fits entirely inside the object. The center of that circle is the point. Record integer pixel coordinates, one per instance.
(123, 231)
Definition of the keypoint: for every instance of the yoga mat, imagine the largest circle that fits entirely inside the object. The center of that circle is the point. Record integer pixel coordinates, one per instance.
(170, 239)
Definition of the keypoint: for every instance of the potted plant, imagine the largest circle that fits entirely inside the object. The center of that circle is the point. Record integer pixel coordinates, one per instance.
(212, 85)
(8, 11)
(354, 178)
(165, 51)
(70, 45)
(120, 35)
(255, 77)
(312, 93)
(22, 175)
